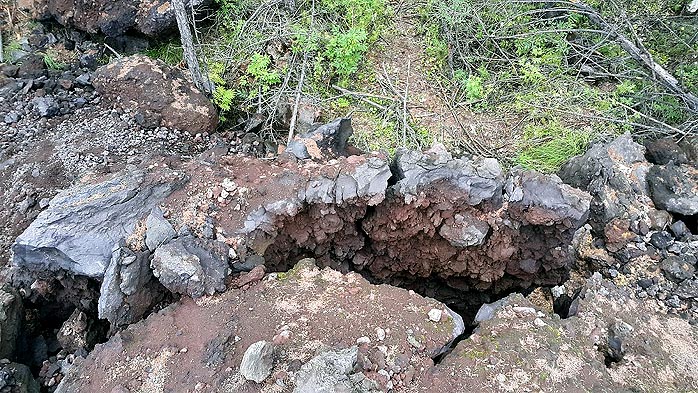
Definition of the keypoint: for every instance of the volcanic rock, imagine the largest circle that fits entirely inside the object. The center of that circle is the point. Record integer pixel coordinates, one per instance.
(190, 266)
(258, 361)
(11, 316)
(77, 232)
(615, 343)
(76, 333)
(128, 288)
(328, 140)
(17, 378)
(461, 220)
(615, 174)
(675, 188)
(152, 18)
(159, 93)
(333, 371)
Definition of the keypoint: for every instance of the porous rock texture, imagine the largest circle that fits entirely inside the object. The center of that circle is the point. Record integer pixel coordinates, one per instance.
(615, 343)
(112, 18)
(191, 266)
(302, 313)
(465, 222)
(675, 188)
(158, 93)
(630, 238)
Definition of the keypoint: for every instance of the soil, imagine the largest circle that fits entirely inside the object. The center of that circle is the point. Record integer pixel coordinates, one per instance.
(398, 63)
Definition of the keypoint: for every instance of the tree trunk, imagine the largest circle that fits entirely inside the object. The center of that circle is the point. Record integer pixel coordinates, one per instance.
(188, 46)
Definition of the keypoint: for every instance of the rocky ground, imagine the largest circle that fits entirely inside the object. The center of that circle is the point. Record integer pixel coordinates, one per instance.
(145, 250)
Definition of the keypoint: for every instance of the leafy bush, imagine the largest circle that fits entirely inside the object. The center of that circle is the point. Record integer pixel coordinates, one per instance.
(345, 50)
(264, 46)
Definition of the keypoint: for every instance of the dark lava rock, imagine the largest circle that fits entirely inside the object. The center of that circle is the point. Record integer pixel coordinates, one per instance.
(158, 92)
(645, 283)
(675, 188)
(688, 289)
(326, 141)
(453, 209)
(679, 229)
(76, 233)
(32, 66)
(678, 268)
(112, 18)
(46, 106)
(17, 378)
(615, 176)
(11, 318)
(77, 332)
(661, 239)
(9, 70)
(665, 150)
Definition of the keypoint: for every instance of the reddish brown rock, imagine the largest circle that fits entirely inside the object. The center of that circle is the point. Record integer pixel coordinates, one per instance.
(157, 92)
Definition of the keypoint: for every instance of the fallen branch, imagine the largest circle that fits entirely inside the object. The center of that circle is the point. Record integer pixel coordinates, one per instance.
(640, 55)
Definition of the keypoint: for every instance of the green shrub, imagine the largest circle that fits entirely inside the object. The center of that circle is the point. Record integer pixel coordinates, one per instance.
(345, 50)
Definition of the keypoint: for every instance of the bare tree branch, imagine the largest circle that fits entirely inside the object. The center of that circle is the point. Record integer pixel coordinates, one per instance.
(640, 55)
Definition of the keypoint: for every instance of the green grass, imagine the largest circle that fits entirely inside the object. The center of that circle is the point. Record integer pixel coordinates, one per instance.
(169, 52)
(52, 63)
(546, 147)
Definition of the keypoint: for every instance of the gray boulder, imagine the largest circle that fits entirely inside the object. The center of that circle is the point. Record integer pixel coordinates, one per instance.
(332, 371)
(478, 179)
(158, 230)
(675, 188)
(129, 288)
(77, 333)
(258, 361)
(77, 231)
(45, 106)
(328, 140)
(191, 266)
(615, 174)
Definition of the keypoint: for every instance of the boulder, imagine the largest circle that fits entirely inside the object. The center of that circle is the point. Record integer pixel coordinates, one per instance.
(326, 141)
(157, 92)
(77, 333)
(77, 231)
(154, 18)
(299, 311)
(158, 230)
(675, 188)
(615, 174)
(332, 371)
(191, 266)
(258, 361)
(129, 289)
